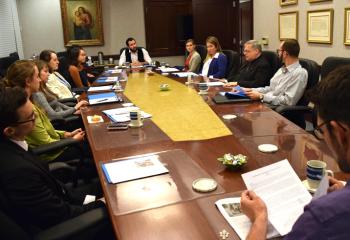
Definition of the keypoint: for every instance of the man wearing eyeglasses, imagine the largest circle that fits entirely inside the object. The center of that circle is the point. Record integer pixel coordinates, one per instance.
(327, 217)
(287, 86)
(29, 193)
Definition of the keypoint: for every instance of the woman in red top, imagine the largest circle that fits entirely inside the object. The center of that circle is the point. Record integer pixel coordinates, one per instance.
(193, 60)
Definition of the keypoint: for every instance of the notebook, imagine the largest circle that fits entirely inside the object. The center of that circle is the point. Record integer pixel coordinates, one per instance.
(103, 98)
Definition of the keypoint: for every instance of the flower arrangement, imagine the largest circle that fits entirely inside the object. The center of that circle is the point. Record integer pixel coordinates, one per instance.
(233, 161)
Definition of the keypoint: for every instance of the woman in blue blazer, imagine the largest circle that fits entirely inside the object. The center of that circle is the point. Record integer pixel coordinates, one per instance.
(216, 62)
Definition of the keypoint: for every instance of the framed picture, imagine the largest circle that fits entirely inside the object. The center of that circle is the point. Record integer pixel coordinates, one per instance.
(320, 26)
(314, 1)
(288, 2)
(82, 22)
(288, 25)
(347, 26)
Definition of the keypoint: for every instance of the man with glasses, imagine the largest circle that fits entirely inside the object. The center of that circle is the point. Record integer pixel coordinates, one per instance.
(327, 217)
(256, 71)
(287, 86)
(29, 193)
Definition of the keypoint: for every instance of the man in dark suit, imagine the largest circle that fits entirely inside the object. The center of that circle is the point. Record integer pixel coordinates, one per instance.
(30, 193)
(256, 71)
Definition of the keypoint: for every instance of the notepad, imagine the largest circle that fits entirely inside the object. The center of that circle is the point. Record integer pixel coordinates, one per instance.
(103, 98)
(123, 114)
(134, 168)
(106, 79)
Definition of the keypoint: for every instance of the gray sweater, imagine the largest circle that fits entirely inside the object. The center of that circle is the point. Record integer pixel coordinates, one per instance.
(54, 109)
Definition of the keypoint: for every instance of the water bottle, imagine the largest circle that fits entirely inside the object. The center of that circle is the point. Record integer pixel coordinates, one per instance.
(89, 61)
(100, 58)
(34, 57)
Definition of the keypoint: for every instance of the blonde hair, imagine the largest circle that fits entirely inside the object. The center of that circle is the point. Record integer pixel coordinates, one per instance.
(213, 40)
(18, 73)
(49, 95)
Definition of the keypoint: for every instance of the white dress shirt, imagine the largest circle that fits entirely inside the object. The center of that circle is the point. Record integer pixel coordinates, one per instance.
(134, 58)
(287, 86)
(206, 65)
(23, 144)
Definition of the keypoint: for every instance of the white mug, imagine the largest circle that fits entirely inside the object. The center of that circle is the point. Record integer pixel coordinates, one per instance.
(315, 170)
(135, 119)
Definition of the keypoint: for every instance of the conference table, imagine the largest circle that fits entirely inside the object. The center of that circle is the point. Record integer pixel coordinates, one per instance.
(166, 206)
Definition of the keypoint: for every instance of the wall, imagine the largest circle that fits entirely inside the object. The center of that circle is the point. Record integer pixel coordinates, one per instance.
(41, 26)
(266, 25)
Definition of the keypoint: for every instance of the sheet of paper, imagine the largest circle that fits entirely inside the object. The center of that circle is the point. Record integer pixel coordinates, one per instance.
(231, 210)
(114, 71)
(107, 79)
(168, 69)
(185, 74)
(282, 191)
(122, 110)
(215, 84)
(100, 88)
(135, 168)
(126, 117)
(322, 188)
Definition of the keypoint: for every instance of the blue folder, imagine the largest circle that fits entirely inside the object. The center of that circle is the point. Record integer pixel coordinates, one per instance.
(234, 95)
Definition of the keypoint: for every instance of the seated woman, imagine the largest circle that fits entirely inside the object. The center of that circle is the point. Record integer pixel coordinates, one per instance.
(78, 76)
(47, 100)
(216, 62)
(193, 60)
(25, 74)
(56, 83)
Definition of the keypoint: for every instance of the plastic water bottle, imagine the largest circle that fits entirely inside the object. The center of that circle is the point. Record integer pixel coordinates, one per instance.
(89, 61)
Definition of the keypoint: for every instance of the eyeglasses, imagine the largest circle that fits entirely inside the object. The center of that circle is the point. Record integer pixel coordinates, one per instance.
(319, 132)
(32, 119)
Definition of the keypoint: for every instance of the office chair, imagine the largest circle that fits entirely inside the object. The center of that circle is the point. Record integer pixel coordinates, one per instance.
(233, 62)
(5, 63)
(296, 113)
(202, 51)
(331, 63)
(273, 59)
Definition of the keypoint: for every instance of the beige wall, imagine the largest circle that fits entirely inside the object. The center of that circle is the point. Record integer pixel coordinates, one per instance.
(266, 25)
(41, 26)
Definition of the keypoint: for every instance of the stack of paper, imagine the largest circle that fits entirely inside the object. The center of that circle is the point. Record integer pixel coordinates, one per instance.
(282, 191)
(123, 114)
(106, 79)
(114, 71)
(168, 69)
(134, 168)
(103, 98)
(185, 74)
(215, 84)
(101, 88)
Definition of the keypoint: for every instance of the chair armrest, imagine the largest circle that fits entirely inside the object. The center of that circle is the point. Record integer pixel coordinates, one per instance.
(54, 146)
(71, 118)
(71, 228)
(65, 100)
(301, 109)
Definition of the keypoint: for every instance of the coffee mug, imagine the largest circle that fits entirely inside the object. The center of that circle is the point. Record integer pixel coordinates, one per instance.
(135, 119)
(315, 170)
(203, 88)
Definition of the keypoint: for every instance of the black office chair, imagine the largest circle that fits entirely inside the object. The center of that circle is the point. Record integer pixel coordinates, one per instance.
(232, 62)
(296, 113)
(331, 63)
(14, 55)
(202, 51)
(62, 54)
(5, 63)
(273, 59)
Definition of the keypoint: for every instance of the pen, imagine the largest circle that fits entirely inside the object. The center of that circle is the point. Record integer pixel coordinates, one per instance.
(102, 100)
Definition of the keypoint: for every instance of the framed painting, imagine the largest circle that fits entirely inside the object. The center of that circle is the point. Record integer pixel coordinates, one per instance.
(320, 26)
(315, 1)
(288, 25)
(347, 26)
(82, 22)
(288, 2)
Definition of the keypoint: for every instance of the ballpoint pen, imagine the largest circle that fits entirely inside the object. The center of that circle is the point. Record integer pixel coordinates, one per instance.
(102, 100)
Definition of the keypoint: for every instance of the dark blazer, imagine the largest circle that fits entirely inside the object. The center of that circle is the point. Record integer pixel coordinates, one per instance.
(253, 74)
(34, 198)
(217, 67)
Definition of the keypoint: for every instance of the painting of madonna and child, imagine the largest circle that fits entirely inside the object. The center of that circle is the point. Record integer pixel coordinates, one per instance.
(82, 22)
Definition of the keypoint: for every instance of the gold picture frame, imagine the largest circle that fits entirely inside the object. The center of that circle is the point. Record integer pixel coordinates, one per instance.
(316, 1)
(82, 22)
(288, 23)
(320, 26)
(288, 2)
(347, 26)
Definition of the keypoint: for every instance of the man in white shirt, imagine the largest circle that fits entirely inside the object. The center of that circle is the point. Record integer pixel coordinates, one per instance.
(287, 86)
(136, 56)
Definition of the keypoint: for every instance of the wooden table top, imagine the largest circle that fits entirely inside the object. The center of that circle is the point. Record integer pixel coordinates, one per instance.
(165, 206)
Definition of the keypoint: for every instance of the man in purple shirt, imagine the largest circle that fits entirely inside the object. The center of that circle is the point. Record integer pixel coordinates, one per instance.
(329, 216)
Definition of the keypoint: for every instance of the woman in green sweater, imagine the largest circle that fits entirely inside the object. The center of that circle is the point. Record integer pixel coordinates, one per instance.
(24, 74)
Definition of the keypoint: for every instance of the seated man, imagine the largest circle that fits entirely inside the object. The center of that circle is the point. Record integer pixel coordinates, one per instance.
(327, 217)
(256, 71)
(137, 56)
(287, 86)
(34, 198)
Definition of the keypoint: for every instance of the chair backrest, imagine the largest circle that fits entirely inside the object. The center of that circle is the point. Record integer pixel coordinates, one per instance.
(63, 68)
(14, 55)
(62, 54)
(273, 59)
(121, 50)
(313, 71)
(5, 62)
(202, 50)
(331, 63)
(233, 62)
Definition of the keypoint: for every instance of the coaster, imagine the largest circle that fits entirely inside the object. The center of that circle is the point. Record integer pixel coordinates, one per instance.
(306, 185)
(204, 185)
(229, 116)
(94, 119)
(127, 104)
(267, 148)
(135, 126)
